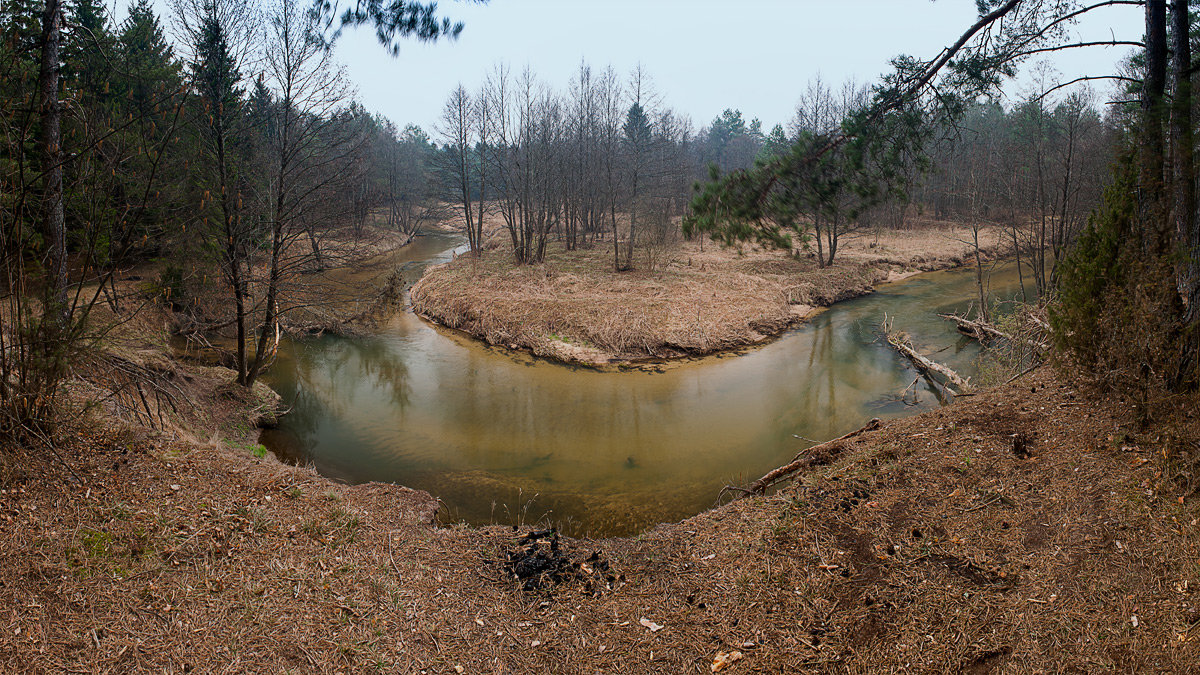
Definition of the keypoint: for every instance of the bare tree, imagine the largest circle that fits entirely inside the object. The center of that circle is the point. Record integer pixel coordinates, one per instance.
(527, 127)
(610, 116)
(308, 154)
(413, 196)
(829, 193)
(463, 129)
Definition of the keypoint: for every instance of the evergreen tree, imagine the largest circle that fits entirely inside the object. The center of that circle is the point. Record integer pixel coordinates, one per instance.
(214, 72)
(147, 58)
(774, 145)
(88, 53)
(730, 143)
(636, 140)
(217, 29)
(21, 23)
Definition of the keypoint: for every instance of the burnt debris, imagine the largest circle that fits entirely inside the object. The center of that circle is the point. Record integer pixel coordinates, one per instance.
(539, 560)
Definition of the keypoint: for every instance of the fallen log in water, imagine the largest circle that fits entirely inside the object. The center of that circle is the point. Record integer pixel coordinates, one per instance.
(981, 329)
(975, 329)
(900, 342)
(810, 457)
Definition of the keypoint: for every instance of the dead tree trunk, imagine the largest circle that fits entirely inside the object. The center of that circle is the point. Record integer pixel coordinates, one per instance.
(981, 330)
(976, 329)
(900, 342)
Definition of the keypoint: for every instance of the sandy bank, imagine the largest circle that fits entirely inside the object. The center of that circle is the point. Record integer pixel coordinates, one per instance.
(699, 300)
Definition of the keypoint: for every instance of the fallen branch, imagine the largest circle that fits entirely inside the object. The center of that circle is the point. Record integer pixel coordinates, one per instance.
(802, 461)
(1021, 374)
(900, 342)
(981, 329)
(976, 329)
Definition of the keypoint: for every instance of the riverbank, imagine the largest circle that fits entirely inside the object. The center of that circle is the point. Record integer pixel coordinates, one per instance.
(935, 544)
(699, 299)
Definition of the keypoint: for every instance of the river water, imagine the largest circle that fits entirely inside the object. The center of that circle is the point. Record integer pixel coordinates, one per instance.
(501, 437)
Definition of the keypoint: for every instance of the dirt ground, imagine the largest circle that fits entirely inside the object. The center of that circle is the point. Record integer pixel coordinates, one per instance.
(697, 299)
(1030, 528)
(1026, 529)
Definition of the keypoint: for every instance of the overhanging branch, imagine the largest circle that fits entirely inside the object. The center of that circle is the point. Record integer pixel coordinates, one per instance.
(1085, 78)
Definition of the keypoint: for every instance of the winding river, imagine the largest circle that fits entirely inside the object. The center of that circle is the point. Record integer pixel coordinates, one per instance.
(501, 437)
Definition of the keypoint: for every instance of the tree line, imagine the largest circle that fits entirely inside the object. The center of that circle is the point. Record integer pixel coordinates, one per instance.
(603, 159)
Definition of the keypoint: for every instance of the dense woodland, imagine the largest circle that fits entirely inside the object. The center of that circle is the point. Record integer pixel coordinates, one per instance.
(223, 145)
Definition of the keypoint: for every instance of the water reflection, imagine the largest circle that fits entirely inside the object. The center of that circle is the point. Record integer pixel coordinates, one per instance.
(607, 452)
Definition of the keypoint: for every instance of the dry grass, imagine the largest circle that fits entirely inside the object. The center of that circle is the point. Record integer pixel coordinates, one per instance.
(926, 546)
(575, 308)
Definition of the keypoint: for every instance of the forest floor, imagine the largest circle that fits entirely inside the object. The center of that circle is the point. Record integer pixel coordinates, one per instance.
(696, 299)
(934, 544)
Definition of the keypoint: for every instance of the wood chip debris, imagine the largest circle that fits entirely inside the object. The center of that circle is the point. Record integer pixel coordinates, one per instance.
(654, 628)
(725, 659)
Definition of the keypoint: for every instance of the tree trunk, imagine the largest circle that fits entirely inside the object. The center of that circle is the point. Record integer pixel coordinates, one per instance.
(633, 199)
(926, 365)
(53, 227)
(820, 242)
(832, 234)
(1187, 236)
(1156, 236)
(983, 308)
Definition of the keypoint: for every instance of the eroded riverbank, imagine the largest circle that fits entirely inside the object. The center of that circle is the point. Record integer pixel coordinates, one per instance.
(699, 299)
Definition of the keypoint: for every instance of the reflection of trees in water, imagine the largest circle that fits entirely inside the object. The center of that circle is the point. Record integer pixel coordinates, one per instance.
(307, 415)
(296, 438)
(336, 366)
(383, 366)
(818, 396)
(320, 387)
(308, 411)
(528, 411)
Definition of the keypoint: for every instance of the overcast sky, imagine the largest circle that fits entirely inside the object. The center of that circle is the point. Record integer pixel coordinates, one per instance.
(703, 55)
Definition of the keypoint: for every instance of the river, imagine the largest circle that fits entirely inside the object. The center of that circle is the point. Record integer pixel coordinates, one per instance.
(502, 437)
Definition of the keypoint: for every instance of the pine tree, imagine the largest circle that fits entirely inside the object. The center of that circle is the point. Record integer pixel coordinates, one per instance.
(21, 25)
(88, 52)
(775, 144)
(220, 122)
(153, 74)
(636, 141)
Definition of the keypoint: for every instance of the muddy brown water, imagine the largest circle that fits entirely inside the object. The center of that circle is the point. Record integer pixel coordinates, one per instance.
(502, 437)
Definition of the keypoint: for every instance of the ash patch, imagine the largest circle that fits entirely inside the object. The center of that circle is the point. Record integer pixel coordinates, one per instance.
(541, 561)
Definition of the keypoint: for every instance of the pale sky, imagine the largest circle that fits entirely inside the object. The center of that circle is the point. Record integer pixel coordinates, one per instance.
(703, 56)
